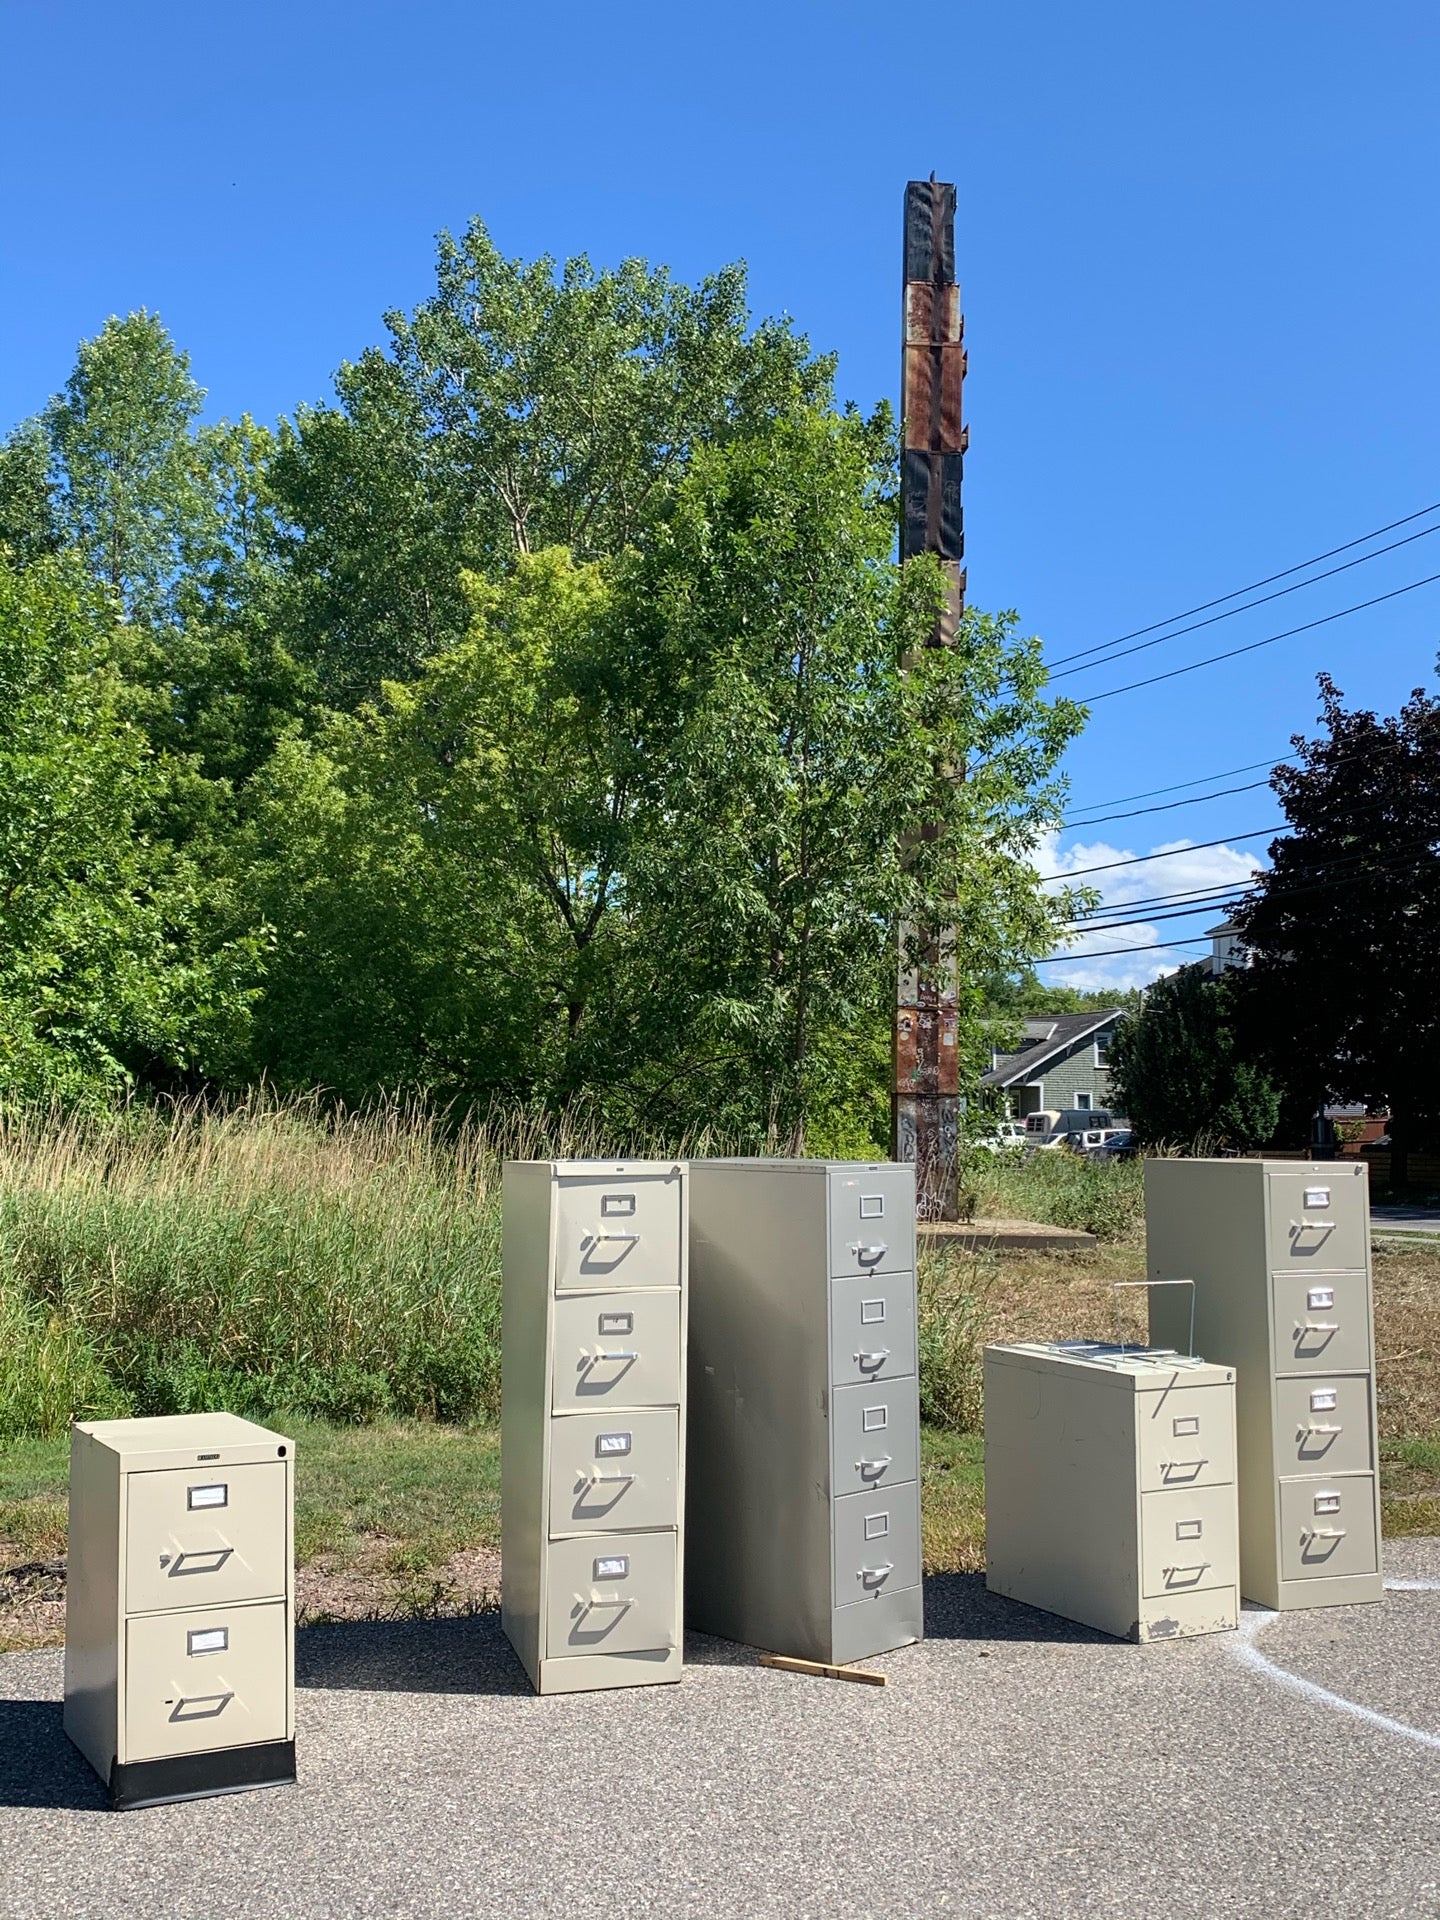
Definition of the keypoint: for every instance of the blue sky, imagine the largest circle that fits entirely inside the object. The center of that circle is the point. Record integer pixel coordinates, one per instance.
(1196, 242)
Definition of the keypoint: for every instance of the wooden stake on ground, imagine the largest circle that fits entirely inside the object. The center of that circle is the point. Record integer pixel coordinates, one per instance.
(786, 1663)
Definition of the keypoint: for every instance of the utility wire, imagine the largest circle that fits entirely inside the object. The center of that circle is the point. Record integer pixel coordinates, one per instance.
(1167, 806)
(1110, 953)
(1168, 853)
(1143, 646)
(1234, 653)
(1284, 574)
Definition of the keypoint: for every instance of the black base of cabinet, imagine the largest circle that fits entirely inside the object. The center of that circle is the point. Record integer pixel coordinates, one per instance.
(196, 1776)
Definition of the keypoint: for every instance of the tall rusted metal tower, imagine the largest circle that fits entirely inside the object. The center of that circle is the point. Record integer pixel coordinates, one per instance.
(925, 1103)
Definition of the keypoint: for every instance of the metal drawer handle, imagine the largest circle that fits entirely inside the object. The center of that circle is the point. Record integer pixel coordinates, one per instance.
(620, 1353)
(208, 1560)
(631, 1238)
(1175, 1466)
(1299, 1226)
(1317, 1326)
(878, 1355)
(1326, 1533)
(1319, 1426)
(611, 1479)
(1197, 1569)
(204, 1706)
(860, 1248)
(875, 1574)
(874, 1466)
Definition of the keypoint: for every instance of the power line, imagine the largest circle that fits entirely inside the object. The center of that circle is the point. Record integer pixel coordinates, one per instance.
(1168, 806)
(1234, 653)
(1168, 853)
(1143, 646)
(1284, 574)
(1123, 799)
(1109, 953)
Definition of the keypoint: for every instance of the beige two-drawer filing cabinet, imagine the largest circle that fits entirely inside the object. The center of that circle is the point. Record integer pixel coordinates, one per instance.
(592, 1442)
(179, 1631)
(1110, 1487)
(804, 1451)
(1279, 1251)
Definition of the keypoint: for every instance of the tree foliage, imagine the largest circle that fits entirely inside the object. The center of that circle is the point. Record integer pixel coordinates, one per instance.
(1179, 1072)
(1343, 931)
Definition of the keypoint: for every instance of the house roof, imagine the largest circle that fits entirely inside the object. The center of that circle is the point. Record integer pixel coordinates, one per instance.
(1046, 1040)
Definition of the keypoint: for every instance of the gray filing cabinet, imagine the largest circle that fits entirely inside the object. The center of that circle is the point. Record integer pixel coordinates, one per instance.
(592, 1441)
(1279, 1251)
(179, 1634)
(1110, 1487)
(804, 1450)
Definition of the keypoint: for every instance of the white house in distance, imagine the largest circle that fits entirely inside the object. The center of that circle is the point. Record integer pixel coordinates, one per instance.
(1225, 948)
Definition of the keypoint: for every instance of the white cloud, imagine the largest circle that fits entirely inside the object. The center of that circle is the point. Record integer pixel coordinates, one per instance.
(1177, 866)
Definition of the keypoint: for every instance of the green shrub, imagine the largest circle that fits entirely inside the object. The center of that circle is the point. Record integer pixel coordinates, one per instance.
(1103, 1197)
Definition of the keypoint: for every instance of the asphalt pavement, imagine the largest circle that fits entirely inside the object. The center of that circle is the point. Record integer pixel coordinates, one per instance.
(1015, 1766)
(1388, 1219)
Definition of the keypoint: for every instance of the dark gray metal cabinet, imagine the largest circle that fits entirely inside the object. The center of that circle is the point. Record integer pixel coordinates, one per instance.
(1279, 1251)
(803, 1458)
(592, 1443)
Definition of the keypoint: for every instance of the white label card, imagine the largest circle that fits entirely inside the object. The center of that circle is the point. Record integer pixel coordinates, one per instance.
(1317, 1196)
(1327, 1503)
(615, 1566)
(1324, 1401)
(617, 1206)
(207, 1640)
(212, 1496)
(609, 1444)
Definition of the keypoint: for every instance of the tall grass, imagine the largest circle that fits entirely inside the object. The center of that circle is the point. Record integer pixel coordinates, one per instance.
(1103, 1197)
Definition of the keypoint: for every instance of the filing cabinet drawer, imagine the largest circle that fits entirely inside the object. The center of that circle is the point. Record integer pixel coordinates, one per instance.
(205, 1536)
(1322, 1322)
(612, 1593)
(877, 1543)
(614, 1472)
(1188, 1540)
(874, 1435)
(1322, 1424)
(1186, 1438)
(207, 1678)
(1327, 1526)
(616, 1349)
(872, 1328)
(1317, 1222)
(872, 1221)
(617, 1232)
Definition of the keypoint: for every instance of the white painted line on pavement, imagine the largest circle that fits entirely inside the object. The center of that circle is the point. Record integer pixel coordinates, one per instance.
(1244, 1648)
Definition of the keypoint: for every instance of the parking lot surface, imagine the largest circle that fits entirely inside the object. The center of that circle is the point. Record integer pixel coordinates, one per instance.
(1015, 1766)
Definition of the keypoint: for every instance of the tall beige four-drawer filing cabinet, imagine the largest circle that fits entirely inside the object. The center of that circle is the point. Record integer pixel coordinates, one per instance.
(179, 1634)
(1110, 1487)
(804, 1451)
(592, 1441)
(1279, 1251)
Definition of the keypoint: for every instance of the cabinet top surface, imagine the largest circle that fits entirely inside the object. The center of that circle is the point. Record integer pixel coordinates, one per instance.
(1128, 1369)
(179, 1433)
(855, 1167)
(606, 1169)
(1310, 1169)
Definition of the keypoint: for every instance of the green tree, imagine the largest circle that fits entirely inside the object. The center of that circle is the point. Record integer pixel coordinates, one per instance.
(1180, 1073)
(1343, 930)
(523, 406)
(28, 525)
(129, 492)
(105, 969)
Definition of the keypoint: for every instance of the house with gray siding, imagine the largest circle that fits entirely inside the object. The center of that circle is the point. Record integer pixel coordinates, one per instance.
(1062, 1061)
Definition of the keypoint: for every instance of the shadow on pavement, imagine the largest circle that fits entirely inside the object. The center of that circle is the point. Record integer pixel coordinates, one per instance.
(957, 1607)
(38, 1765)
(468, 1655)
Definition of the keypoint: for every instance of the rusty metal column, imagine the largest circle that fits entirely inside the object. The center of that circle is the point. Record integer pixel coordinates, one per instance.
(925, 1102)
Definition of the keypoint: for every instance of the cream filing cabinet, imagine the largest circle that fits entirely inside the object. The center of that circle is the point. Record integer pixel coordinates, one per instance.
(179, 1639)
(1110, 1487)
(1279, 1251)
(593, 1420)
(804, 1447)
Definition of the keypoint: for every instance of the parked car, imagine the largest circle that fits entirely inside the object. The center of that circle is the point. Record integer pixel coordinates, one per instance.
(1118, 1144)
(1007, 1136)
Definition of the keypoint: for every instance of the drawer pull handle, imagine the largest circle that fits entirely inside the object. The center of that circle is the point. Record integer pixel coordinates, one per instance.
(871, 1469)
(620, 1353)
(1325, 1533)
(610, 1479)
(206, 1559)
(875, 1576)
(1321, 1226)
(869, 1249)
(1167, 1467)
(1317, 1326)
(630, 1238)
(868, 1362)
(204, 1706)
(1193, 1571)
(1319, 1426)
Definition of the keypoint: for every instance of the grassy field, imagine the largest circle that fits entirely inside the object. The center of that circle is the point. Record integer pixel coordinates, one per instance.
(342, 1282)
